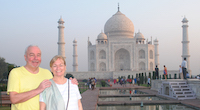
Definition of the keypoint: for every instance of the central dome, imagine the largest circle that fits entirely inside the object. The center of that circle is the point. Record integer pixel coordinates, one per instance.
(119, 26)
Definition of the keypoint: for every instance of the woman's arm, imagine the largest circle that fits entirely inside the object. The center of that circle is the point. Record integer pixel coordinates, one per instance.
(42, 106)
(80, 105)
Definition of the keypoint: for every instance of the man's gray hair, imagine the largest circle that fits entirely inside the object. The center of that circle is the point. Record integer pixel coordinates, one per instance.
(28, 47)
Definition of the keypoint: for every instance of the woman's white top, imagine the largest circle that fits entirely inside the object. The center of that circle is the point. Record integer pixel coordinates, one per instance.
(74, 95)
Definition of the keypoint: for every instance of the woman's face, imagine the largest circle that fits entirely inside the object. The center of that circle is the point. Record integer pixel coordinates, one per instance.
(58, 68)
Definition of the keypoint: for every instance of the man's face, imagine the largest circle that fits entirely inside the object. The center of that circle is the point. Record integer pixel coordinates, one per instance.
(33, 57)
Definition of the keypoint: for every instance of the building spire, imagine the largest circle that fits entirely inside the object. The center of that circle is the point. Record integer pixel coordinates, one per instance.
(75, 56)
(118, 7)
(61, 38)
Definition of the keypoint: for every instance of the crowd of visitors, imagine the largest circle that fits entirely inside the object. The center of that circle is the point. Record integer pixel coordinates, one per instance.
(92, 83)
(122, 81)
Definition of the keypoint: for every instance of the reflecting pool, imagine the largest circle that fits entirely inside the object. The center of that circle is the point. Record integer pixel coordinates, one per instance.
(120, 91)
(129, 98)
(147, 107)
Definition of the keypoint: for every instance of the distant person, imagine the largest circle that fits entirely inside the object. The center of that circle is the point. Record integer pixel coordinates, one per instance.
(25, 83)
(117, 80)
(130, 81)
(149, 81)
(133, 81)
(165, 72)
(180, 71)
(187, 74)
(198, 77)
(138, 81)
(95, 82)
(114, 81)
(121, 81)
(157, 72)
(184, 67)
(92, 83)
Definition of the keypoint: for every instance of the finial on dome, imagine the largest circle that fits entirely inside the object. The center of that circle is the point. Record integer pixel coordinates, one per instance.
(118, 7)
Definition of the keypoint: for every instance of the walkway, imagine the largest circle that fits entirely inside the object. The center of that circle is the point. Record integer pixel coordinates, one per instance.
(90, 98)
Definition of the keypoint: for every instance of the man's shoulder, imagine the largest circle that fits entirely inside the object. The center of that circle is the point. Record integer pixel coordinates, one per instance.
(44, 70)
(18, 69)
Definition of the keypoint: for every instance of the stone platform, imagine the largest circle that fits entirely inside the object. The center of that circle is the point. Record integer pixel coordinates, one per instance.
(193, 83)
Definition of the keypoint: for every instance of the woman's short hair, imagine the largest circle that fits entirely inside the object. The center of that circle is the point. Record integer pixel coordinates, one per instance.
(55, 58)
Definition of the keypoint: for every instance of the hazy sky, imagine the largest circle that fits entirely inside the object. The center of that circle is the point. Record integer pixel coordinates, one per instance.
(25, 22)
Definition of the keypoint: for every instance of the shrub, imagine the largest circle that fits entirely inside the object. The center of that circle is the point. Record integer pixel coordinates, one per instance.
(85, 80)
(103, 83)
(3, 87)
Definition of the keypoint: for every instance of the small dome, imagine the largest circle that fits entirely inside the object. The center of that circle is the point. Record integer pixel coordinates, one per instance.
(61, 20)
(102, 36)
(156, 40)
(184, 20)
(139, 35)
(119, 26)
(75, 41)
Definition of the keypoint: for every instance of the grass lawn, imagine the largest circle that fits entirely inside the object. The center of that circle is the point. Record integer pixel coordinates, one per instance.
(83, 87)
(145, 85)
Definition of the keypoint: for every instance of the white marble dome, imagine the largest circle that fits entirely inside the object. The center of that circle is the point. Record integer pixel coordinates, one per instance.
(102, 36)
(119, 26)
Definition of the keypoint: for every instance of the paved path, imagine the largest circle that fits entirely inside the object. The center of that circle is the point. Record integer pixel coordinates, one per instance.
(89, 99)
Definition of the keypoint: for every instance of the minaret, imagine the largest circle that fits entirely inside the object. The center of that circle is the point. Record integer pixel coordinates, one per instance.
(185, 43)
(61, 41)
(157, 62)
(75, 56)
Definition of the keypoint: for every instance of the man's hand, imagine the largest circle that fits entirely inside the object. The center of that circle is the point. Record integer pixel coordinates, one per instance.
(74, 81)
(43, 85)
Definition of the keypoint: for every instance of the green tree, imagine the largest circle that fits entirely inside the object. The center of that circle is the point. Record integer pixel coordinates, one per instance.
(10, 67)
(3, 68)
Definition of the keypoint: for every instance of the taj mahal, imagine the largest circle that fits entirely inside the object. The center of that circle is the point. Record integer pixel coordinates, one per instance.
(119, 50)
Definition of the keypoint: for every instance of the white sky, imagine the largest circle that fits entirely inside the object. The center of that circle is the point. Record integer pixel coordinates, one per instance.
(24, 22)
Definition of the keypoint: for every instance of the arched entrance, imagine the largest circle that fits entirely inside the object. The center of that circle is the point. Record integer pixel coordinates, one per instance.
(122, 60)
(102, 66)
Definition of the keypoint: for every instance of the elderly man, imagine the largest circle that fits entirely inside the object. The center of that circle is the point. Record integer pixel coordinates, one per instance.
(27, 82)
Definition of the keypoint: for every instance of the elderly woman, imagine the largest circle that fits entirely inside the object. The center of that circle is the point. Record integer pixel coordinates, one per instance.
(62, 95)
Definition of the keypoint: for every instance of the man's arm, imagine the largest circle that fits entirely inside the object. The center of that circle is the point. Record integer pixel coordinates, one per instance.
(22, 97)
